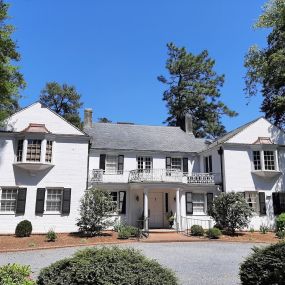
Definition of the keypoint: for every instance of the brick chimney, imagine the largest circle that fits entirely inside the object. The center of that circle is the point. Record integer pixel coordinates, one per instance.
(88, 118)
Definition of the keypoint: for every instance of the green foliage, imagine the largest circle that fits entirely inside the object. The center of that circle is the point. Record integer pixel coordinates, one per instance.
(194, 87)
(104, 120)
(213, 233)
(124, 233)
(251, 230)
(266, 67)
(280, 222)
(264, 229)
(197, 230)
(15, 274)
(11, 80)
(280, 234)
(64, 100)
(51, 235)
(95, 207)
(24, 229)
(107, 266)
(231, 211)
(265, 266)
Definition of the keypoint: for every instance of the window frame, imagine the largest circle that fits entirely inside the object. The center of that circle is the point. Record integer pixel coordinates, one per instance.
(51, 212)
(172, 164)
(264, 159)
(20, 150)
(1, 199)
(255, 203)
(269, 162)
(118, 203)
(114, 163)
(35, 150)
(208, 164)
(144, 162)
(191, 201)
(49, 151)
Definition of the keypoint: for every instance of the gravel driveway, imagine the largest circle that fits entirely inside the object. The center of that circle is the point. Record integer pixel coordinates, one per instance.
(197, 263)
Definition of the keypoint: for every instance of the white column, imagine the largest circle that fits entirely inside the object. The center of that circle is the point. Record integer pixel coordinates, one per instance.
(145, 197)
(178, 214)
(276, 160)
(43, 150)
(262, 160)
(25, 146)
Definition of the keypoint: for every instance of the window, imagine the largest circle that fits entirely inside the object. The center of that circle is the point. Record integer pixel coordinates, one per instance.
(256, 160)
(189, 204)
(49, 151)
(115, 200)
(34, 150)
(251, 199)
(8, 200)
(208, 164)
(111, 164)
(198, 200)
(269, 160)
(144, 162)
(176, 163)
(54, 200)
(119, 201)
(20, 150)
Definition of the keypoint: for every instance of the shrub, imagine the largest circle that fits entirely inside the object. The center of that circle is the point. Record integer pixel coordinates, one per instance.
(280, 222)
(96, 205)
(118, 226)
(24, 229)
(15, 274)
(264, 229)
(218, 226)
(264, 266)
(51, 235)
(280, 234)
(213, 233)
(124, 233)
(107, 265)
(231, 211)
(251, 230)
(197, 230)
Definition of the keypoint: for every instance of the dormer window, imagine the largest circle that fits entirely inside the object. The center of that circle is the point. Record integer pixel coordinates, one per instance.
(34, 150)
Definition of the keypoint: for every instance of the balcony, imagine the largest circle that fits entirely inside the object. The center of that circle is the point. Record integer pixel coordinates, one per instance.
(154, 175)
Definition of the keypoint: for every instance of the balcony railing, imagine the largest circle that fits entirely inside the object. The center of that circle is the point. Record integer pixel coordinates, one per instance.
(153, 175)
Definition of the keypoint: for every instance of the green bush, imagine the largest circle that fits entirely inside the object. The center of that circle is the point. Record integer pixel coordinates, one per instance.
(197, 230)
(213, 233)
(24, 229)
(264, 229)
(15, 274)
(124, 233)
(105, 266)
(51, 235)
(265, 266)
(280, 234)
(280, 222)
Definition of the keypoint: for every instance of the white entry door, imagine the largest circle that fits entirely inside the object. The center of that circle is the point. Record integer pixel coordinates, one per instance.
(155, 210)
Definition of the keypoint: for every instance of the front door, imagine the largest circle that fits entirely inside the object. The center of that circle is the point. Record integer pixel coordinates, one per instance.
(155, 210)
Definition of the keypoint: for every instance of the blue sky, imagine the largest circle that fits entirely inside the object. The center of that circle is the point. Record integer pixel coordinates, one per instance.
(113, 51)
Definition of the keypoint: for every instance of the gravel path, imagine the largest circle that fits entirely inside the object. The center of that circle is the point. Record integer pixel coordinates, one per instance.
(197, 263)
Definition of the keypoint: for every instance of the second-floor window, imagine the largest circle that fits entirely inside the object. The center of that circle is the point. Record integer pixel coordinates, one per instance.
(269, 163)
(144, 162)
(268, 159)
(208, 164)
(49, 151)
(20, 150)
(111, 164)
(176, 163)
(34, 150)
(256, 160)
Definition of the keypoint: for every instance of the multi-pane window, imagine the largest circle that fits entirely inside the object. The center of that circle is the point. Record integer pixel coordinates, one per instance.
(34, 150)
(256, 160)
(208, 164)
(8, 200)
(20, 150)
(111, 164)
(251, 199)
(269, 160)
(54, 200)
(49, 151)
(198, 200)
(144, 162)
(176, 163)
(119, 201)
(114, 195)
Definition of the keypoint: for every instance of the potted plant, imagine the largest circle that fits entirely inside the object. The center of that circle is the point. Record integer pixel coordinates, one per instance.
(170, 218)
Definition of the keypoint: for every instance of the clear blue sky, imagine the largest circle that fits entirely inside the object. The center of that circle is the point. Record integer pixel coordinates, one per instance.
(113, 51)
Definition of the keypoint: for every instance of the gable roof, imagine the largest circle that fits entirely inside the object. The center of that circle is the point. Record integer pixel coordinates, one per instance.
(143, 138)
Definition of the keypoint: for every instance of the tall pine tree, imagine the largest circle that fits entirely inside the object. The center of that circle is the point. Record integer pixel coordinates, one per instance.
(194, 87)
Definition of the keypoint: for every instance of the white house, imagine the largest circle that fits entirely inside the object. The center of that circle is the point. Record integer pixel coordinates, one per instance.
(46, 164)
(43, 171)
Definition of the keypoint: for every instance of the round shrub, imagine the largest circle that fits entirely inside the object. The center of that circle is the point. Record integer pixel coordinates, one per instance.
(107, 265)
(265, 266)
(51, 235)
(280, 222)
(124, 233)
(213, 233)
(197, 230)
(24, 229)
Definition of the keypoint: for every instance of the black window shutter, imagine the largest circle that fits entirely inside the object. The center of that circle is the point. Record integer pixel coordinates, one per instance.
(168, 162)
(276, 203)
(21, 201)
(102, 161)
(185, 164)
(189, 204)
(262, 205)
(123, 201)
(210, 164)
(206, 161)
(282, 202)
(66, 198)
(166, 202)
(40, 200)
(210, 198)
(121, 163)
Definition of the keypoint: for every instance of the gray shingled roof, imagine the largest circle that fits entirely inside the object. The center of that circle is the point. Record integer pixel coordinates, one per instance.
(144, 138)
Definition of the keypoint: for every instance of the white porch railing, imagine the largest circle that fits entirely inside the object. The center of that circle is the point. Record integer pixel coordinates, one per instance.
(188, 222)
(102, 176)
(200, 178)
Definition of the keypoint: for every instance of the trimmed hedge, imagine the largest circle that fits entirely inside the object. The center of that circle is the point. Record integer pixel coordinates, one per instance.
(105, 266)
(213, 233)
(24, 229)
(265, 266)
(197, 230)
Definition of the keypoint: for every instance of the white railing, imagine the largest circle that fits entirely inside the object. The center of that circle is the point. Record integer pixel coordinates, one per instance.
(102, 176)
(200, 178)
(188, 222)
(155, 175)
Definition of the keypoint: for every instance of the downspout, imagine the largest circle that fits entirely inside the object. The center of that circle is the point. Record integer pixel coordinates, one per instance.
(221, 153)
(88, 158)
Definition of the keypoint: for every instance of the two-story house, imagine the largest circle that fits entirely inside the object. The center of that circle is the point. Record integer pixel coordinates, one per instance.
(153, 171)
(43, 171)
